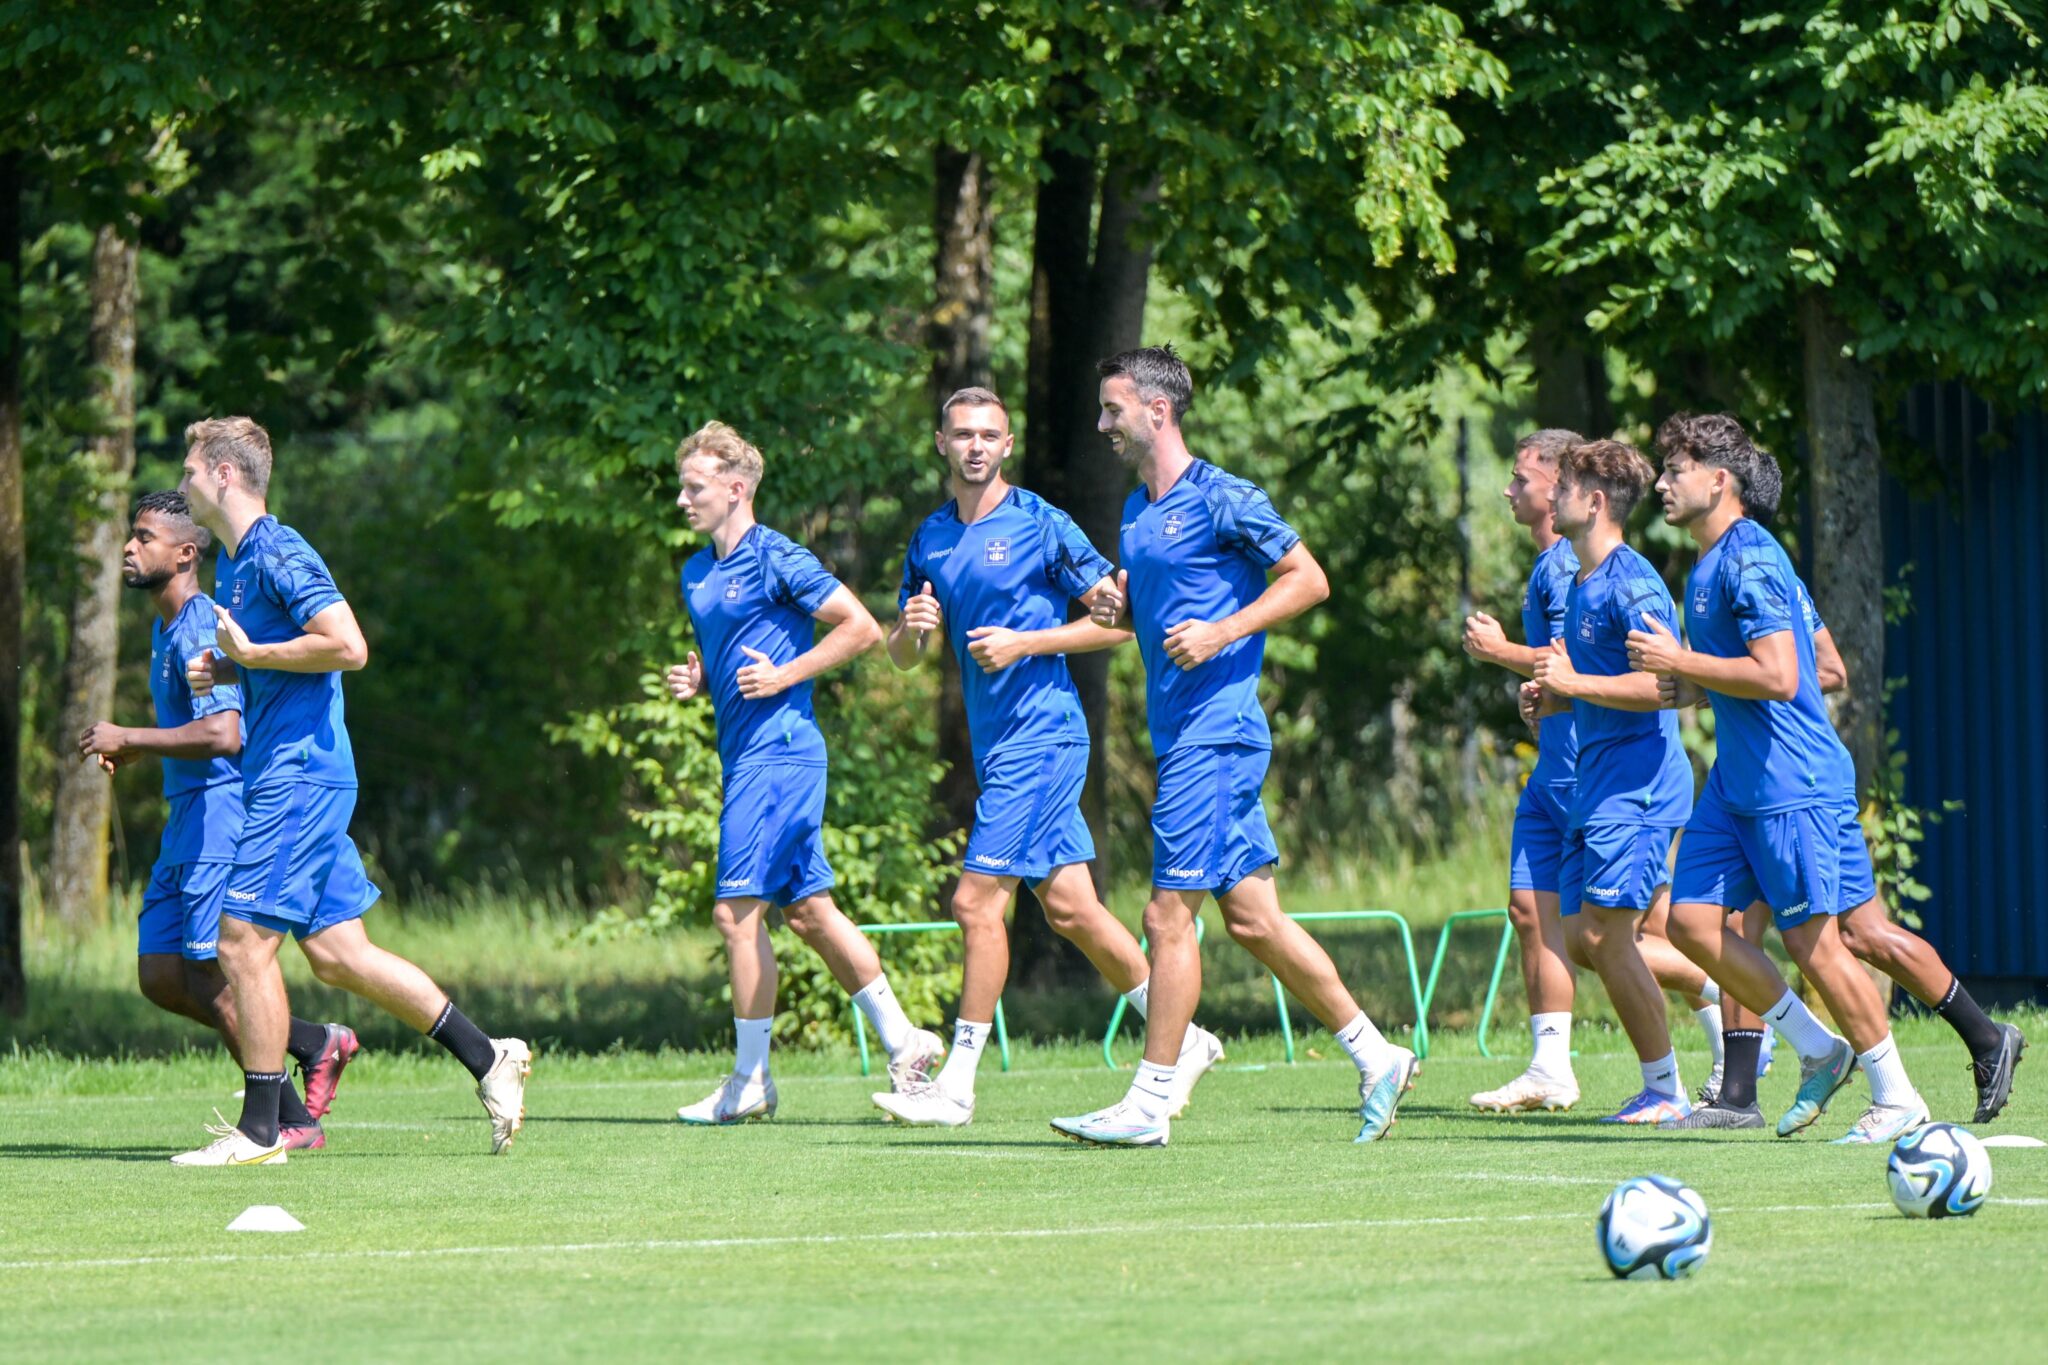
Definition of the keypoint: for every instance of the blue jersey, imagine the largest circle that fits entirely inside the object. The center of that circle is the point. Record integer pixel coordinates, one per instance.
(1550, 582)
(1773, 755)
(1632, 769)
(273, 585)
(205, 794)
(1200, 553)
(762, 596)
(1014, 567)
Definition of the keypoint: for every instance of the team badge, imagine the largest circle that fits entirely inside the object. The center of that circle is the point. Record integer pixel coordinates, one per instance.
(237, 600)
(1699, 602)
(1586, 629)
(996, 551)
(732, 591)
(1171, 526)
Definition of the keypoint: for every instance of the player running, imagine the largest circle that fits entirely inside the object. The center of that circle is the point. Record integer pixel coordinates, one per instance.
(752, 595)
(1634, 783)
(993, 570)
(288, 635)
(198, 739)
(1197, 547)
(1775, 821)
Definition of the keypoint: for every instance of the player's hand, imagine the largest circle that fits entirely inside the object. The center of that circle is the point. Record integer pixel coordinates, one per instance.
(1529, 697)
(995, 648)
(1677, 694)
(1193, 643)
(1109, 600)
(761, 678)
(1484, 639)
(105, 740)
(923, 614)
(1554, 670)
(1655, 650)
(207, 670)
(686, 679)
(234, 641)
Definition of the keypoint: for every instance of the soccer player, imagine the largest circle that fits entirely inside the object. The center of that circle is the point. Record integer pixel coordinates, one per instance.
(1775, 821)
(752, 595)
(289, 635)
(1634, 782)
(993, 570)
(198, 739)
(1197, 547)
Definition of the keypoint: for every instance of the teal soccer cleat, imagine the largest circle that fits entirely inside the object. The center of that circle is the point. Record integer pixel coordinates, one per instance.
(1379, 1096)
(1818, 1082)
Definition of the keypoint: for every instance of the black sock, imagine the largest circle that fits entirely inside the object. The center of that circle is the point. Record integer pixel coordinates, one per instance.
(470, 1044)
(1740, 1048)
(260, 1091)
(291, 1110)
(305, 1041)
(1969, 1021)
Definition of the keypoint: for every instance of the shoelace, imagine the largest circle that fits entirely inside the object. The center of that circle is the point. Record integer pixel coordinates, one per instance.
(223, 1129)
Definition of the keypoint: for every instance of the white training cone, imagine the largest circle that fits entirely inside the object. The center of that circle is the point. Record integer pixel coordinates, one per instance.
(265, 1218)
(2012, 1140)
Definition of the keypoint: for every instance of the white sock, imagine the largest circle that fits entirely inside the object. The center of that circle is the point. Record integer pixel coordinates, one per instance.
(1136, 996)
(1367, 1048)
(1808, 1036)
(1552, 1035)
(1710, 1024)
(1889, 1083)
(1711, 992)
(956, 1077)
(1151, 1090)
(1662, 1075)
(891, 1024)
(751, 1057)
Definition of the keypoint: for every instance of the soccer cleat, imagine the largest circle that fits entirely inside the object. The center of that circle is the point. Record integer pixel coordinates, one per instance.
(1819, 1079)
(738, 1099)
(1199, 1051)
(1714, 1114)
(1650, 1106)
(503, 1090)
(1884, 1123)
(323, 1077)
(1380, 1096)
(1530, 1090)
(1994, 1076)
(916, 1060)
(926, 1106)
(1123, 1124)
(1763, 1054)
(310, 1138)
(232, 1147)
(1710, 1089)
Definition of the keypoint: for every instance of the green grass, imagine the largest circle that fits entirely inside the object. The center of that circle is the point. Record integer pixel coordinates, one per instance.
(1261, 1233)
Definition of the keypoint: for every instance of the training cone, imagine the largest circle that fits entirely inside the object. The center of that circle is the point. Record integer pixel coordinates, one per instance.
(265, 1218)
(2012, 1140)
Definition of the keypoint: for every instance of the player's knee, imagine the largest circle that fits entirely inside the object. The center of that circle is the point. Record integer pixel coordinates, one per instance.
(162, 984)
(806, 918)
(1068, 916)
(1168, 923)
(1523, 914)
(976, 911)
(1252, 931)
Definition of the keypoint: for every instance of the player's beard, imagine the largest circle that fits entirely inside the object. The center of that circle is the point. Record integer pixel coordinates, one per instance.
(148, 582)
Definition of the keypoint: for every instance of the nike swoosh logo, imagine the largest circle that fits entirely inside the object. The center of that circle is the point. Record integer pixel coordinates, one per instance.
(258, 1160)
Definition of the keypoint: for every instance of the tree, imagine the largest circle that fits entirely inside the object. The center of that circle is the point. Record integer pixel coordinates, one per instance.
(13, 977)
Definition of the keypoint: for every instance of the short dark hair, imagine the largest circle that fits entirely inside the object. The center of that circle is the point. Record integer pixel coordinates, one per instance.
(1549, 443)
(1763, 487)
(170, 505)
(1157, 372)
(973, 396)
(1615, 468)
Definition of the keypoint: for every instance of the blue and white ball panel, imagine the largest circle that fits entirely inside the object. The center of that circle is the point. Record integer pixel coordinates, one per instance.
(296, 870)
(1209, 828)
(1537, 844)
(1794, 861)
(181, 911)
(1027, 820)
(1616, 867)
(771, 833)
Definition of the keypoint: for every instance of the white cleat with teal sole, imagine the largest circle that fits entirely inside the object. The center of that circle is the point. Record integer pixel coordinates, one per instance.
(1123, 1124)
(1379, 1096)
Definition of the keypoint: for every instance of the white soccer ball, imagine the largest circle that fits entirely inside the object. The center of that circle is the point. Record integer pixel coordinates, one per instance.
(1652, 1227)
(1939, 1171)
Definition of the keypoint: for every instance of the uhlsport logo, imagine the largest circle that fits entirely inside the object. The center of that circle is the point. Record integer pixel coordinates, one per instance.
(995, 862)
(1187, 872)
(733, 881)
(997, 551)
(247, 897)
(939, 553)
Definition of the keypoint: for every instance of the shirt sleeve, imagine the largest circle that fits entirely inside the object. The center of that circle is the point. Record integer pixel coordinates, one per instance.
(1556, 587)
(801, 580)
(194, 636)
(913, 577)
(1072, 563)
(1645, 600)
(1814, 625)
(1247, 523)
(298, 581)
(1760, 595)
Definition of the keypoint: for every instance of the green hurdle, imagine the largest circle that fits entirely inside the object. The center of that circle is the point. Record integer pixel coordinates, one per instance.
(1500, 962)
(935, 926)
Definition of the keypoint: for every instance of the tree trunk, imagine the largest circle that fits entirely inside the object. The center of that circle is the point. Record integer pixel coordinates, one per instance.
(13, 978)
(1571, 381)
(1848, 551)
(84, 798)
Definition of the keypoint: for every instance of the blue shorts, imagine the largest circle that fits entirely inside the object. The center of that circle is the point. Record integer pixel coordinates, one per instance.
(1208, 826)
(296, 870)
(1541, 819)
(771, 834)
(181, 910)
(1027, 820)
(1618, 867)
(1801, 863)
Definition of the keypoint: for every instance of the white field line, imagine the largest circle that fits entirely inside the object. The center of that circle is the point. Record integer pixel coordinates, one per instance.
(884, 1238)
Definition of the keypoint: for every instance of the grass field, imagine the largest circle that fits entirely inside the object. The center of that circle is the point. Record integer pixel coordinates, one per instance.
(1261, 1233)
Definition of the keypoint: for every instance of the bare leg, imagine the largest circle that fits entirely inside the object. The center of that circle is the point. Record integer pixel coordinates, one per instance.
(832, 936)
(1251, 911)
(248, 958)
(749, 957)
(1755, 920)
(1869, 933)
(1078, 915)
(1741, 968)
(1816, 945)
(1674, 970)
(343, 956)
(1611, 941)
(1546, 970)
(978, 906)
(1176, 972)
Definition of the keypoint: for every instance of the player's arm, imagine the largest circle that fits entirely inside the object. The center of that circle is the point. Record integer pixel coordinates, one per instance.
(332, 643)
(1487, 642)
(910, 638)
(853, 631)
(1768, 672)
(1627, 692)
(1833, 673)
(995, 648)
(1297, 583)
(216, 736)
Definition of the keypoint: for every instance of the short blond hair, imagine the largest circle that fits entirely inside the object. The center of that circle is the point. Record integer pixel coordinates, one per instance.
(237, 441)
(717, 441)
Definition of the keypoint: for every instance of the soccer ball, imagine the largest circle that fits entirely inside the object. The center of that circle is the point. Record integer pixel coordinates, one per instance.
(1939, 1171)
(1654, 1226)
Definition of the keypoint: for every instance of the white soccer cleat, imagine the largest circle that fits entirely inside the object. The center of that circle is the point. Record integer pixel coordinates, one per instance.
(1530, 1090)
(232, 1147)
(1123, 1124)
(1884, 1124)
(916, 1061)
(738, 1099)
(503, 1090)
(926, 1106)
(1199, 1051)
